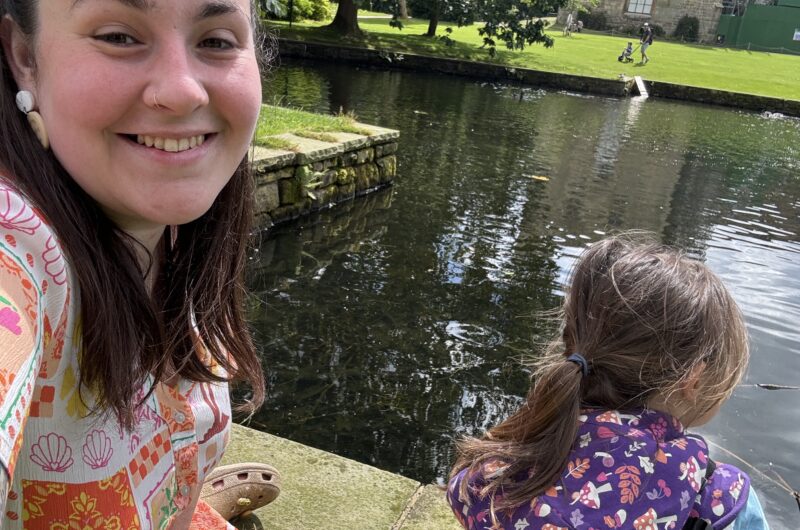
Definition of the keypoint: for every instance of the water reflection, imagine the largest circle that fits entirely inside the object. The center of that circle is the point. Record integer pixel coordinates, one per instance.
(395, 323)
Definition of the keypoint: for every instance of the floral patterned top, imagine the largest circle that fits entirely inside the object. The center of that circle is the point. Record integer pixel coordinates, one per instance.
(70, 469)
(636, 470)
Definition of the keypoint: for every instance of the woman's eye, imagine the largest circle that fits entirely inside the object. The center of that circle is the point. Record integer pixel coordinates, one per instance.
(217, 43)
(119, 39)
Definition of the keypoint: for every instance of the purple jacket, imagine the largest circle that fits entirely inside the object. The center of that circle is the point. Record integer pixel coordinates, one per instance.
(638, 471)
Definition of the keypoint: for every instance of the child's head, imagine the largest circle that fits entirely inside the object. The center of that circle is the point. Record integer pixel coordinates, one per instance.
(656, 327)
(630, 44)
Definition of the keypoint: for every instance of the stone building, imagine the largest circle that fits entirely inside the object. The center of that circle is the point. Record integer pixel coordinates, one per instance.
(624, 14)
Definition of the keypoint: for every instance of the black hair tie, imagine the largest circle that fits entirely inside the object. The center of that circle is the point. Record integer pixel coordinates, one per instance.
(581, 361)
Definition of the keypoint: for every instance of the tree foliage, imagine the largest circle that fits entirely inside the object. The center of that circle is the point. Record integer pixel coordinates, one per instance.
(515, 23)
(579, 6)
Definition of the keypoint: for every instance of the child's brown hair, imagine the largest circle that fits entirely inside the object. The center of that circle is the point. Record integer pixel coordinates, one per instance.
(644, 316)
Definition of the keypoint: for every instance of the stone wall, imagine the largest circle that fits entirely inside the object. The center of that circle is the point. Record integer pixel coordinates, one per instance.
(661, 89)
(611, 87)
(319, 174)
(444, 65)
(665, 13)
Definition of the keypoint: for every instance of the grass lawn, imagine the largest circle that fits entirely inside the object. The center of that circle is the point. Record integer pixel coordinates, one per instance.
(589, 54)
(278, 120)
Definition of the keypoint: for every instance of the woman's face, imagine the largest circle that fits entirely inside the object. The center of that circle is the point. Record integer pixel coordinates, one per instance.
(150, 104)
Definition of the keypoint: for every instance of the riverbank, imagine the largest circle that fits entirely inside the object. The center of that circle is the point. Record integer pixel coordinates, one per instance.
(323, 490)
(613, 87)
(582, 54)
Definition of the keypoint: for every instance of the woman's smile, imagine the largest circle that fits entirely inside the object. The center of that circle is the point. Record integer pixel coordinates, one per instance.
(171, 145)
(171, 110)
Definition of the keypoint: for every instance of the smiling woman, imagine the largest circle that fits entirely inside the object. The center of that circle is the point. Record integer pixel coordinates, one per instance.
(125, 207)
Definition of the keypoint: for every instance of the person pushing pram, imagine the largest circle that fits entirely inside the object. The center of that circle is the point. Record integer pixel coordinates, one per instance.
(627, 53)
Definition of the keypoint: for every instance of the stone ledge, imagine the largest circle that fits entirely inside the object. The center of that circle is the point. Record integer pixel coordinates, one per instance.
(267, 159)
(324, 491)
(310, 150)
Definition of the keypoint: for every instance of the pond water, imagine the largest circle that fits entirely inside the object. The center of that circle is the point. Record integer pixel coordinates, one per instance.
(393, 324)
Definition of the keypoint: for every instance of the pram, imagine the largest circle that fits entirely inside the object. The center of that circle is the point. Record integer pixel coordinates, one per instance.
(626, 54)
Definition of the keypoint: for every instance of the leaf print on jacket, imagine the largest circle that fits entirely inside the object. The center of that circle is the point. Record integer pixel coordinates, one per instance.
(629, 483)
(577, 468)
(642, 467)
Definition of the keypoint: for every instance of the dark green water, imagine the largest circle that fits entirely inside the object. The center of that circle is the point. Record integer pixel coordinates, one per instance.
(393, 324)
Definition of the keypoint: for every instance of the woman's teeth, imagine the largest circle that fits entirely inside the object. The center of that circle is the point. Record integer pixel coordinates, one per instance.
(171, 145)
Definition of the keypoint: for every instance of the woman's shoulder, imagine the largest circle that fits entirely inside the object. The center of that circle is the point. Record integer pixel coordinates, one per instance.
(25, 231)
(30, 253)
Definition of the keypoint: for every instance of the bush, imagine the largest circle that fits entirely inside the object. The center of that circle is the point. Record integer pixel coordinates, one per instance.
(688, 28)
(658, 31)
(594, 20)
(305, 9)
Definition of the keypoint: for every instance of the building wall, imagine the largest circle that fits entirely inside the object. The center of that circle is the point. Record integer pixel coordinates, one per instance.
(665, 13)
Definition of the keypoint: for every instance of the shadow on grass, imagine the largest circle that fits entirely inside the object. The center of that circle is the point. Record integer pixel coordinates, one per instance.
(405, 43)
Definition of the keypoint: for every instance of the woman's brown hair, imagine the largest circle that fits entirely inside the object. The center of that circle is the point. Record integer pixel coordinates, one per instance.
(644, 316)
(129, 335)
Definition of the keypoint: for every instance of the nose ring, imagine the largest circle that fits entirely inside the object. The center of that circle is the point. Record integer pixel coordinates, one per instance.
(156, 104)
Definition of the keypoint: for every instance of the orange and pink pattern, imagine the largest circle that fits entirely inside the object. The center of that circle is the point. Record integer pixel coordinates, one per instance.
(70, 469)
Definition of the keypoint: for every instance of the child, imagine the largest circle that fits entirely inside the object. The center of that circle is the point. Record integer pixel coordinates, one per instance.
(651, 343)
(626, 54)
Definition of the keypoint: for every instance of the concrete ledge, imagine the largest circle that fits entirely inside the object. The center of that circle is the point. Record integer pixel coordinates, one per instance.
(593, 85)
(322, 491)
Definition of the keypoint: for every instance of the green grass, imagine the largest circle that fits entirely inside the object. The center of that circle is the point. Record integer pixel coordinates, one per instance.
(595, 55)
(278, 120)
(366, 13)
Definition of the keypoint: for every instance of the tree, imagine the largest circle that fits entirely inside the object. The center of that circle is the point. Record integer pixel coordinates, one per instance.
(346, 20)
(462, 12)
(402, 8)
(516, 23)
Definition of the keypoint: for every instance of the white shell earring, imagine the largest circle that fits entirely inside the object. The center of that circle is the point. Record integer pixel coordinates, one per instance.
(26, 103)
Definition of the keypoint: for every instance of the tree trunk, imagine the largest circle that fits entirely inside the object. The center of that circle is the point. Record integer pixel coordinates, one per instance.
(346, 20)
(434, 22)
(403, 9)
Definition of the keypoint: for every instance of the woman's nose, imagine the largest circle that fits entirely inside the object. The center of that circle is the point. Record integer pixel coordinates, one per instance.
(177, 83)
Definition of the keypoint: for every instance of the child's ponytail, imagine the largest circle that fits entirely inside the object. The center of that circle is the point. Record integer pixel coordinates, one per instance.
(538, 436)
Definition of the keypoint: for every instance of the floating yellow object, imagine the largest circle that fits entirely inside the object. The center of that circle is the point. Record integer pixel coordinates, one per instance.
(539, 177)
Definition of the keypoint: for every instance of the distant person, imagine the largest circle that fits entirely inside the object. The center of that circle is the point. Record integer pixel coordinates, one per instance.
(579, 26)
(568, 26)
(646, 41)
(650, 343)
(625, 57)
